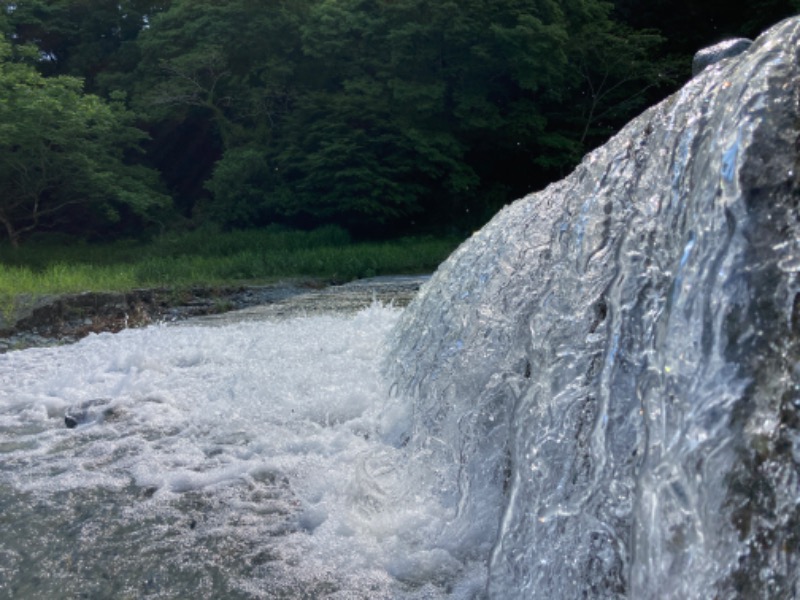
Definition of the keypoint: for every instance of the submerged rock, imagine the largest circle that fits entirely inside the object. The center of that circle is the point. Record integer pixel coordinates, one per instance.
(91, 411)
(607, 373)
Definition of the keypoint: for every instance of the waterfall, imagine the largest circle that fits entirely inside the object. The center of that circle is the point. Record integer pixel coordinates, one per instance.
(605, 377)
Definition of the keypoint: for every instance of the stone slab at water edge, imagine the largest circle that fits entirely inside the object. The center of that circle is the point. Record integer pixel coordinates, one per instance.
(54, 320)
(608, 371)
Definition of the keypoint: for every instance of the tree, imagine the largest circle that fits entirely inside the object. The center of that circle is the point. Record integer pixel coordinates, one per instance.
(214, 77)
(406, 102)
(614, 71)
(383, 112)
(398, 113)
(62, 153)
(91, 39)
(243, 190)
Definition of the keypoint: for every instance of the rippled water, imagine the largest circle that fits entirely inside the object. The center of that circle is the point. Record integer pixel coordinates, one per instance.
(249, 460)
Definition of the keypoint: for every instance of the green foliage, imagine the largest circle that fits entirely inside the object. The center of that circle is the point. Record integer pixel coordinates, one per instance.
(231, 63)
(214, 77)
(417, 100)
(382, 116)
(372, 112)
(240, 186)
(62, 153)
(91, 39)
(208, 243)
(614, 73)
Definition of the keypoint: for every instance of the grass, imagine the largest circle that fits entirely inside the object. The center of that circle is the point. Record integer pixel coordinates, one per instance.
(210, 259)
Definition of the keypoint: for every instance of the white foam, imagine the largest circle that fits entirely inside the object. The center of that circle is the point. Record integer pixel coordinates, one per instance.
(193, 408)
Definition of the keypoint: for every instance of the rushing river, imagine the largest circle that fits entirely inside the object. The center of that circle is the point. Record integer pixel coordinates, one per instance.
(249, 460)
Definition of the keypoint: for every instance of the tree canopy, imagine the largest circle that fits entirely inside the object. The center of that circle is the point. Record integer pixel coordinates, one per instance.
(62, 154)
(380, 115)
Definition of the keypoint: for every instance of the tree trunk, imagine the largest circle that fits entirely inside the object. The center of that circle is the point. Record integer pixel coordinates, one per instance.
(13, 234)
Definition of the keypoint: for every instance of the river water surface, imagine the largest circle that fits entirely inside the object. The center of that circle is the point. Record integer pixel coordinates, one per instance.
(251, 459)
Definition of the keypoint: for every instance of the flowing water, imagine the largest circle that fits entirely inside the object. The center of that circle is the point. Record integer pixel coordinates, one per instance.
(247, 460)
(615, 374)
(596, 396)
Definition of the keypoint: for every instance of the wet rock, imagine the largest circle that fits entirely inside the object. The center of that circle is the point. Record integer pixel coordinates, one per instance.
(36, 321)
(91, 411)
(713, 54)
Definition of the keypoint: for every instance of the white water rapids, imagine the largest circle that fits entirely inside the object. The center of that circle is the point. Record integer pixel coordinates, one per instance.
(252, 460)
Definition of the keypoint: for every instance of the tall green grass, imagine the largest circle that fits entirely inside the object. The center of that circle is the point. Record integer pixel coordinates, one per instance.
(211, 259)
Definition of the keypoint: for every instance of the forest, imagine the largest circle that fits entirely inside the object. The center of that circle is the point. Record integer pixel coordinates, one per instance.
(125, 118)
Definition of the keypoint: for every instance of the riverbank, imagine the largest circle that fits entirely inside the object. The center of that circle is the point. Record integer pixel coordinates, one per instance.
(66, 318)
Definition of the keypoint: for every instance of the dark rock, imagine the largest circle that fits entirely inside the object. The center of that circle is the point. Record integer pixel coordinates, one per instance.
(91, 411)
(33, 321)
